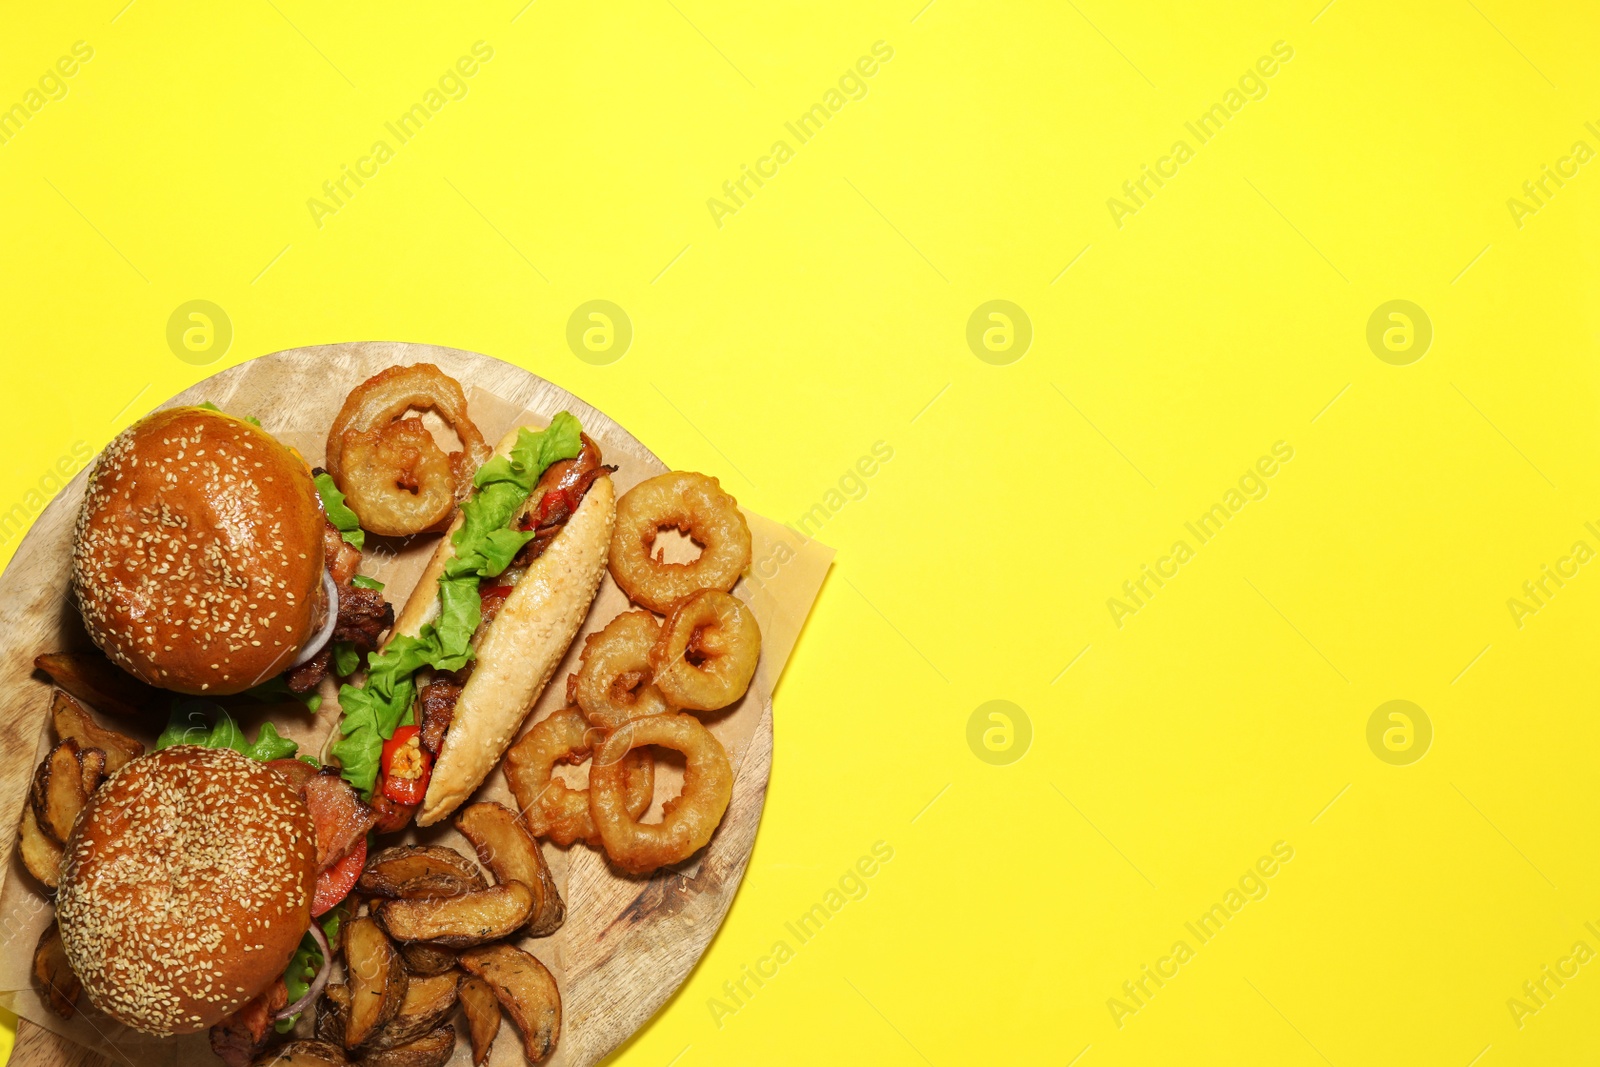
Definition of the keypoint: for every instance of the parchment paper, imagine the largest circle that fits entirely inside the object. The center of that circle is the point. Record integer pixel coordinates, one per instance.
(785, 577)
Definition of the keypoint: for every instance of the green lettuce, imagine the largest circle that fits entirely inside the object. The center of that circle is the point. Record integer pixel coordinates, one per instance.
(191, 723)
(362, 581)
(485, 546)
(307, 962)
(339, 513)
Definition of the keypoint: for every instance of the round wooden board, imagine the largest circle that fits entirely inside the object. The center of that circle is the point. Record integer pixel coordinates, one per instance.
(627, 944)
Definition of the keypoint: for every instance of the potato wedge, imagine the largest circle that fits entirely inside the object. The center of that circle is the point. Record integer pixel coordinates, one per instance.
(333, 1013)
(52, 976)
(433, 1049)
(507, 849)
(428, 1003)
(57, 793)
(459, 922)
(40, 855)
(303, 1054)
(482, 1009)
(92, 768)
(73, 721)
(93, 679)
(392, 868)
(437, 887)
(425, 961)
(376, 977)
(525, 990)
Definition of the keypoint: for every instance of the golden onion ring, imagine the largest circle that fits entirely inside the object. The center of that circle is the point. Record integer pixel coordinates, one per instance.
(707, 651)
(373, 462)
(550, 807)
(693, 504)
(613, 681)
(688, 820)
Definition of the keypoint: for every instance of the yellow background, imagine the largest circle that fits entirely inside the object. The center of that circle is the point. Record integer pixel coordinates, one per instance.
(830, 313)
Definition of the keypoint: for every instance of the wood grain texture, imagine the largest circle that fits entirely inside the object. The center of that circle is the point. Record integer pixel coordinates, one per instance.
(628, 943)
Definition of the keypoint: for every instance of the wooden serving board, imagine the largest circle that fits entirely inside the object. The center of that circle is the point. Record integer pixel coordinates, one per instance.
(627, 943)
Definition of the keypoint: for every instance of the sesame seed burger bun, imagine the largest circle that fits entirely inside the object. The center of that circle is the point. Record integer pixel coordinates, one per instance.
(198, 563)
(186, 886)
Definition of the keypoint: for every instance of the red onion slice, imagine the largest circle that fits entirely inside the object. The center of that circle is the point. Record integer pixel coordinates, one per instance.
(320, 639)
(317, 983)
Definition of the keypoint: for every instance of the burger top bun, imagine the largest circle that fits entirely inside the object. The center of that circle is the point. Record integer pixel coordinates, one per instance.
(186, 885)
(198, 561)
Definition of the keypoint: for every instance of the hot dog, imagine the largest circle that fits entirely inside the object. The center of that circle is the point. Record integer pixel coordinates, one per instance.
(525, 631)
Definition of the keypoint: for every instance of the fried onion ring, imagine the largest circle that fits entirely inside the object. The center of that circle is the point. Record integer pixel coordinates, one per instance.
(613, 681)
(689, 819)
(693, 504)
(707, 651)
(550, 807)
(390, 469)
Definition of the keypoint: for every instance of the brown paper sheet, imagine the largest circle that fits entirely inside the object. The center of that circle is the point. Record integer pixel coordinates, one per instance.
(784, 580)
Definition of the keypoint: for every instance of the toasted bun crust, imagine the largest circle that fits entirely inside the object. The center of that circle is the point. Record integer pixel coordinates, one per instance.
(522, 648)
(198, 561)
(186, 886)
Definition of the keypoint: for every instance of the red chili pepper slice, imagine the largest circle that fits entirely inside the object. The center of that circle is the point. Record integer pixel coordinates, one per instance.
(406, 767)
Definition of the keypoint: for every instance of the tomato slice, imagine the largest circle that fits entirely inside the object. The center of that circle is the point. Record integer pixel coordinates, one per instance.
(335, 883)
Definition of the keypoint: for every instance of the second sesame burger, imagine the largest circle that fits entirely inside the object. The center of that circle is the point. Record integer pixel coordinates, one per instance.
(199, 565)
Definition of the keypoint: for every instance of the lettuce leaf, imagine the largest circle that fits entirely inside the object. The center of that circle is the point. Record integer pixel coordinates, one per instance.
(362, 581)
(339, 513)
(346, 660)
(191, 724)
(485, 546)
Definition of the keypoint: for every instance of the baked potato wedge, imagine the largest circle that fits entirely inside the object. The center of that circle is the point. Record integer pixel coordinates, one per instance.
(57, 794)
(459, 922)
(437, 887)
(333, 1013)
(52, 976)
(482, 1009)
(40, 855)
(390, 870)
(72, 721)
(93, 679)
(425, 961)
(92, 769)
(376, 977)
(510, 852)
(428, 1003)
(525, 990)
(433, 1049)
(303, 1054)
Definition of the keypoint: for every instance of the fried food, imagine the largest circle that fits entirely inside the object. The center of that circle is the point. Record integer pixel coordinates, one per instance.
(432, 1049)
(92, 678)
(52, 975)
(525, 990)
(73, 722)
(506, 849)
(428, 1003)
(459, 922)
(693, 504)
(425, 961)
(551, 808)
(58, 795)
(391, 471)
(40, 855)
(613, 683)
(688, 820)
(333, 1014)
(303, 1054)
(389, 871)
(482, 1010)
(707, 652)
(377, 980)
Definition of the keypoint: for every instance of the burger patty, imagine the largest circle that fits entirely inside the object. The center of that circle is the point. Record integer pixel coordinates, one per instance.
(364, 616)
